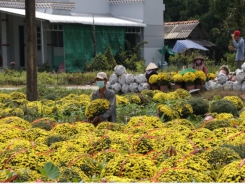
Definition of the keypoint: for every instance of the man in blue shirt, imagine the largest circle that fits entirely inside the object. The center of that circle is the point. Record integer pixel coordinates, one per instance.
(238, 43)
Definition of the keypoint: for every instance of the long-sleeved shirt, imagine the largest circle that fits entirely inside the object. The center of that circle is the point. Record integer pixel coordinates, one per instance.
(239, 48)
(110, 114)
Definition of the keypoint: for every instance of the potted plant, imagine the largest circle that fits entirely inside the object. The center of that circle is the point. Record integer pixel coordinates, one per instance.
(200, 79)
(163, 81)
(189, 79)
(178, 81)
(153, 82)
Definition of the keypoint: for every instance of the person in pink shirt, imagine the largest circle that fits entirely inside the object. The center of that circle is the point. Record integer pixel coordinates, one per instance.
(198, 64)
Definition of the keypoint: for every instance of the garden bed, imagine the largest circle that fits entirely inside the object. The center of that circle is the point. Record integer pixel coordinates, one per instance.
(158, 137)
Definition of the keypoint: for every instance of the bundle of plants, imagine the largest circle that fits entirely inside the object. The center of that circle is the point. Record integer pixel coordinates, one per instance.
(96, 108)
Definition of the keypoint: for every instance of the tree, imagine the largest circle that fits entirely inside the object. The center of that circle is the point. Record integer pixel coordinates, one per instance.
(31, 45)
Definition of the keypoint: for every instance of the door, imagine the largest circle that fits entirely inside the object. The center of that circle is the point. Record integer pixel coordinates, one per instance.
(22, 45)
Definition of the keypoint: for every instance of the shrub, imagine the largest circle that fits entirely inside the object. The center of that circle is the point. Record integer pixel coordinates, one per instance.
(99, 63)
(199, 106)
(223, 106)
(239, 149)
(183, 108)
(42, 125)
(220, 155)
(45, 67)
(236, 100)
(53, 139)
(110, 58)
(214, 124)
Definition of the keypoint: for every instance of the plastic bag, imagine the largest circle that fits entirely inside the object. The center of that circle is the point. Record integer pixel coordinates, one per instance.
(140, 78)
(143, 86)
(218, 86)
(221, 78)
(240, 75)
(243, 67)
(108, 85)
(122, 79)
(113, 78)
(116, 87)
(237, 86)
(188, 70)
(120, 70)
(129, 78)
(243, 86)
(125, 88)
(228, 85)
(209, 85)
(133, 87)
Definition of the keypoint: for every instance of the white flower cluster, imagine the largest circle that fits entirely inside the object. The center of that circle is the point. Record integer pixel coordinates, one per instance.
(235, 81)
(121, 81)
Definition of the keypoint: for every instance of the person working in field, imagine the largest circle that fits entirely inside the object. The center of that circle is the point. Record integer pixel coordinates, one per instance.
(103, 92)
(198, 64)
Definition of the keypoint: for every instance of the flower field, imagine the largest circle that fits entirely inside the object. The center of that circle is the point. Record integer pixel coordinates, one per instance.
(159, 137)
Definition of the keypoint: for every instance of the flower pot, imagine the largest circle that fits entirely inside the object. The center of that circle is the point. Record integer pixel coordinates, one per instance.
(154, 87)
(199, 86)
(177, 86)
(164, 88)
(190, 87)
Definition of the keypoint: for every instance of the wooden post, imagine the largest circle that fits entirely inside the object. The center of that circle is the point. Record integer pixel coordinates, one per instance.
(31, 50)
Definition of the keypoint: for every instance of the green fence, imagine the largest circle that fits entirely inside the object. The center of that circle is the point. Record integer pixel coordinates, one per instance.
(79, 43)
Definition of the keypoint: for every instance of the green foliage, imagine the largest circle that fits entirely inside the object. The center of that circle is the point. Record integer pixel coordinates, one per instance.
(239, 149)
(54, 139)
(214, 124)
(230, 60)
(180, 60)
(131, 58)
(42, 125)
(110, 58)
(99, 63)
(50, 171)
(223, 106)
(45, 67)
(221, 155)
(68, 175)
(199, 106)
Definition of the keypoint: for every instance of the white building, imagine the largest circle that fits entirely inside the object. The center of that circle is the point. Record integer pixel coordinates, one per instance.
(65, 29)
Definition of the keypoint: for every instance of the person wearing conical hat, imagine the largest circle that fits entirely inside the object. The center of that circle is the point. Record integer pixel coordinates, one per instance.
(151, 69)
(198, 64)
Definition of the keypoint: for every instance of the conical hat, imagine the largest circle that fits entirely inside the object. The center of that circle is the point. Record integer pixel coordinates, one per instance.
(198, 57)
(151, 66)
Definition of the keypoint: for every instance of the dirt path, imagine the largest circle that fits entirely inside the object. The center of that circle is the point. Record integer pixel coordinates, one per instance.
(68, 87)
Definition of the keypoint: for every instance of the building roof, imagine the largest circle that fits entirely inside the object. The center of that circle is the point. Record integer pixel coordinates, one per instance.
(106, 20)
(38, 5)
(125, 1)
(179, 30)
(204, 43)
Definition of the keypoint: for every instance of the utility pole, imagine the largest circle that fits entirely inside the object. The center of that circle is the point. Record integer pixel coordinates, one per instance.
(31, 50)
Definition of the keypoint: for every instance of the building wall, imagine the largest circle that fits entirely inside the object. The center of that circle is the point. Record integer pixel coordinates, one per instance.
(154, 32)
(151, 13)
(91, 6)
(13, 38)
(128, 10)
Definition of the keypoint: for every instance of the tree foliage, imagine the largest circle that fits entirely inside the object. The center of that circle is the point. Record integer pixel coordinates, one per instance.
(219, 18)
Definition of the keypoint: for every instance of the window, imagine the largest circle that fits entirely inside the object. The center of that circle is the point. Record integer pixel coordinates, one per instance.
(58, 39)
(39, 39)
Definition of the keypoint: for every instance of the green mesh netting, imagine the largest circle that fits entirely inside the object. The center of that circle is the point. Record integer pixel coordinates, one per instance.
(79, 43)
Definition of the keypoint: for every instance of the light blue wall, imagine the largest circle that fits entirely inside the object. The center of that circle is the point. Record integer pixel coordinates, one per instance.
(91, 6)
(130, 10)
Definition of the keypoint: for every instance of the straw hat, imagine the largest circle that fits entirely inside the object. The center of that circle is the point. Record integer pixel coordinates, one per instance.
(151, 66)
(198, 57)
